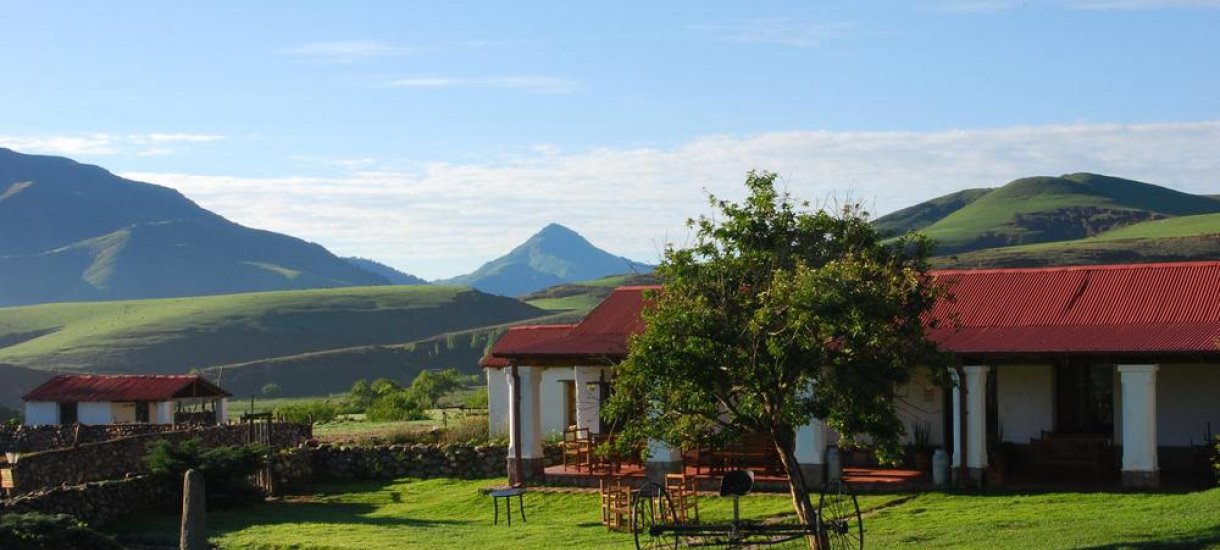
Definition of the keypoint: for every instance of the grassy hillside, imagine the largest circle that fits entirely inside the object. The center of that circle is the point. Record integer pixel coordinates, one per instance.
(1044, 209)
(331, 371)
(585, 295)
(178, 334)
(1173, 239)
(922, 215)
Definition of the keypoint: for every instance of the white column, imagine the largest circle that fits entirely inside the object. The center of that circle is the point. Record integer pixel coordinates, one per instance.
(165, 412)
(976, 416)
(588, 397)
(1139, 425)
(222, 411)
(531, 416)
(811, 451)
(957, 422)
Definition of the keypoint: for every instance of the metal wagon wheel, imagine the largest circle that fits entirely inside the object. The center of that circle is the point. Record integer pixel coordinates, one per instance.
(842, 526)
(652, 511)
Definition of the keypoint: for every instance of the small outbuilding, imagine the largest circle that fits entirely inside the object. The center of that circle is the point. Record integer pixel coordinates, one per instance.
(93, 399)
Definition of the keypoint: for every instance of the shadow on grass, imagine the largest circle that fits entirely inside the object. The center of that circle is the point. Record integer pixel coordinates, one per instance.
(1208, 538)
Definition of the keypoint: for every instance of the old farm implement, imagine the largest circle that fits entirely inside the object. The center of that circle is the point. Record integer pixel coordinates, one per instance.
(655, 524)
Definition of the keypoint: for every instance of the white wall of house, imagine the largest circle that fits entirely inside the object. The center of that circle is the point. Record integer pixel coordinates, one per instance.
(497, 402)
(920, 401)
(94, 413)
(1186, 402)
(162, 413)
(39, 413)
(1025, 401)
(554, 406)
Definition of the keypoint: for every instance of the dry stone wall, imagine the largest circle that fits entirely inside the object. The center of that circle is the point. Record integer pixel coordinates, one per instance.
(33, 439)
(99, 502)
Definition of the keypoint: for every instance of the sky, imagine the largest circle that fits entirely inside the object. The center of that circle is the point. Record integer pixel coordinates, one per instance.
(435, 136)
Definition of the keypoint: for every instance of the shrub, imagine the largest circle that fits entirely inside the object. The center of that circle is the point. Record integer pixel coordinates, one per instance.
(226, 470)
(309, 412)
(41, 531)
(1216, 459)
(478, 399)
(396, 405)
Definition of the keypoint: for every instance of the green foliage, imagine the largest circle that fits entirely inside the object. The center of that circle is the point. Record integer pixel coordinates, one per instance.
(778, 314)
(395, 405)
(469, 430)
(478, 399)
(1216, 459)
(385, 400)
(225, 469)
(309, 412)
(41, 531)
(430, 385)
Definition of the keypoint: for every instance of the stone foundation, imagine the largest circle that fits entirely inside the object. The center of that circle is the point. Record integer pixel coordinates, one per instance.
(1141, 480)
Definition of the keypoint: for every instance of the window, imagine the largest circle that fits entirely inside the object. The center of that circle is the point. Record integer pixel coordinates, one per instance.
(1084, 398)
(142, 412)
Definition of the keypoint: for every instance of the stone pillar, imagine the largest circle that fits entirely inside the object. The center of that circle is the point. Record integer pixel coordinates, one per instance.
(588, 397)
(662, 459)
(1140, 467)
(976, 423)
(530, 421)
(810, 450)
(222, 410)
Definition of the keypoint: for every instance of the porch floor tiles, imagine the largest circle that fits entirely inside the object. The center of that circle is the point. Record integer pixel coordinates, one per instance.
(861, 479)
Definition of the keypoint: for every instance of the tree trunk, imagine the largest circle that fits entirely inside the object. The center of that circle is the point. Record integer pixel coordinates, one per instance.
(785, 443)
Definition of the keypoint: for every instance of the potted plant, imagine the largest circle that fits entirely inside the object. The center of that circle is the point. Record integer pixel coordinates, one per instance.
(921, 446)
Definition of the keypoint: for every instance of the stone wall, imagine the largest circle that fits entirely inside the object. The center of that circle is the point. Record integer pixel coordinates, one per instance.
(304, 464)
(121, 457)
(33, 439)
(100, 502)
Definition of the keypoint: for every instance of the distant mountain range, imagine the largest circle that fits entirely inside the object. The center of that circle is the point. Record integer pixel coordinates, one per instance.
(1071, 219)
(555, 255)
(74, 232)
(394, 276)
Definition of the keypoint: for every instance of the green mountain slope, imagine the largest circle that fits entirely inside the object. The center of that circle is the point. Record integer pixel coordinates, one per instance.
(394, 276)
(553, 256)
(70, 232)
(1044, 209)
(316, 373)
(178, 334)
(914, 218)
(584, 295)
(1173, 239)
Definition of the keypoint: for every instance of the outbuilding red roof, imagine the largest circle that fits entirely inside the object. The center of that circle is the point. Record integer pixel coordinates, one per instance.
(520, 336)
(1167, 308)
(79, 388)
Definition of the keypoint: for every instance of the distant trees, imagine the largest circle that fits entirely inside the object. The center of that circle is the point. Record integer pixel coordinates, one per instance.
(386, 400)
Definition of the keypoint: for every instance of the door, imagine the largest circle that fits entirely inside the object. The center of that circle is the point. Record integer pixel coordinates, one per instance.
(569, 402)
(1084, 398)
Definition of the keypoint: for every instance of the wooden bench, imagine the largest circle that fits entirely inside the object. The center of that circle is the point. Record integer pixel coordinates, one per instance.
(751, 452)
(1083, 451)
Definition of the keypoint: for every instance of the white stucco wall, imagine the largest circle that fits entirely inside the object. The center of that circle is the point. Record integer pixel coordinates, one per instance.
(920, 401)
(1186, 397)
(92, 414)
(497, 402)
(554, 407)
(39, 413)
(1025, 401)
(162, 413)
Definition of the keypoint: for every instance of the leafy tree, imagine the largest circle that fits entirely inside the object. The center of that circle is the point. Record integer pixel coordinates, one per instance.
(361, 396)
(398, 405)
(778, 314)
(430, 385)
(384, 386)
(226, 469)
(308, 412)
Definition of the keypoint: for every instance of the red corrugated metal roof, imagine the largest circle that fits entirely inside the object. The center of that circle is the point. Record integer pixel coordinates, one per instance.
(521, 336)
(603, 332)
(1143, 308)
(78, 388)
(1168, 308)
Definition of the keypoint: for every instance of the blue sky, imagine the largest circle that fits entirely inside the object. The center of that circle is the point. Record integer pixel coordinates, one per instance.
(435, 136)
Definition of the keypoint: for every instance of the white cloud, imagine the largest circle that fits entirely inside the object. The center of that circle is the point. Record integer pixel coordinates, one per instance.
(776, 30)
(101, 144)
(539, 84)
(444, 219)
(347, 51)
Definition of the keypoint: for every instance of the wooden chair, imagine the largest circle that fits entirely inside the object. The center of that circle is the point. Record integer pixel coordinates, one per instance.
(577, 448)
(7, 484)
(684, 495)
(616, 503)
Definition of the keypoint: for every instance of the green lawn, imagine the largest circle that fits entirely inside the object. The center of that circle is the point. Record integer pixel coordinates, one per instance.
(445, 513)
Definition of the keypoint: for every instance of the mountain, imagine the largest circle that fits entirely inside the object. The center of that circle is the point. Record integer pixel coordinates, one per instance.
(175, 335)
(394, 276)
(1043, 209)
(582, 296)
(552, 256)
(74, 232)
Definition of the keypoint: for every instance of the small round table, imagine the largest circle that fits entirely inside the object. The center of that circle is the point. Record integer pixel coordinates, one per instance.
(507, 495)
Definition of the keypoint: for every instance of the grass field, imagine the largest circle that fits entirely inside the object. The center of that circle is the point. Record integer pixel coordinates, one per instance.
(443, 513)
(175, 335)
